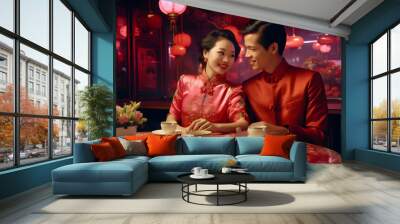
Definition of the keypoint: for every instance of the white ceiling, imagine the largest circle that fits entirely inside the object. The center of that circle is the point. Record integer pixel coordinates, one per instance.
(317, 15)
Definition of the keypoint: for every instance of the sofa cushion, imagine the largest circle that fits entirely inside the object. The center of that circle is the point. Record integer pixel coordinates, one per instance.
(206, 145)
(277, 145)
(135, 147)
(185, 163)
(116, 145)
(159, 145)
(257, 163)
(94, 172)
(249, 145)
(103, 151)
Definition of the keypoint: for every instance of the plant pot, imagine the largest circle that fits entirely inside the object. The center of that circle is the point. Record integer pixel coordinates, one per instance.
(122, 131)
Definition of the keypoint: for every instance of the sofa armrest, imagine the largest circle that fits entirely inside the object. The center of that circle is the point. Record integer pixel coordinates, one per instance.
(83, 152)
(298, 155)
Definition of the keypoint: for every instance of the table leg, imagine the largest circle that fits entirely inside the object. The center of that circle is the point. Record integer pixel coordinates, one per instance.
(245, 191)
(217, 194)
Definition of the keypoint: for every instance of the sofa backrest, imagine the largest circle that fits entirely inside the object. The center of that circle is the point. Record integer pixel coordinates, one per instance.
(249, 145)
(83, 153)
(206, 145)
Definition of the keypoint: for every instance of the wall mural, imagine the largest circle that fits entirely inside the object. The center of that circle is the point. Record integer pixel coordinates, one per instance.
(155, 46)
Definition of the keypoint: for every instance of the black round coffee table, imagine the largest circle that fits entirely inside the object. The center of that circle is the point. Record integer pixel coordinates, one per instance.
(238, 179)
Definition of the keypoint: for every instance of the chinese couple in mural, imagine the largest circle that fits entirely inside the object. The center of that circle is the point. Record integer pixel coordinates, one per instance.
(282, 98)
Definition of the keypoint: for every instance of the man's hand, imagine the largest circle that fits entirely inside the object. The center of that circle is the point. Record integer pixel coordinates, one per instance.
(271, 129)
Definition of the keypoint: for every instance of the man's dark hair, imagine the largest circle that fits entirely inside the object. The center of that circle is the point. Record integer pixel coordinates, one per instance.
(212, 37)
(268, 34)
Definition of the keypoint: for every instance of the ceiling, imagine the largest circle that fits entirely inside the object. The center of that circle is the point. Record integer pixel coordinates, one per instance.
(325, 16)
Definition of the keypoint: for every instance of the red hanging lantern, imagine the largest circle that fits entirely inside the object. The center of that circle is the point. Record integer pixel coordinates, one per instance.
(183, 39)
(154, 21)
(168, 7)
(294, 41)
(178, 50)
(326, 39)
(316, 46)
(325, 48)
(171, 9)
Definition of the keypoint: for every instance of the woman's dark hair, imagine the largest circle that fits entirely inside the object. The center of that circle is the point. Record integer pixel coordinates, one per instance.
(268, 33)
(212, 37)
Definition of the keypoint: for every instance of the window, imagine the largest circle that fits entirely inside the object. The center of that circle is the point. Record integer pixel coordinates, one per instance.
(35, 22)
(54, 125)
(30, 87)
(3, 78)
(81, 45)
(43, 90)
(385, 96)
(30, 72)
(7, 14)
(3, 61)
(3, 72)
(37, 74)
(38, 89)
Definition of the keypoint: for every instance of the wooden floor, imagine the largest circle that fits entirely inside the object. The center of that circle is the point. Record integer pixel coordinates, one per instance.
(377, 188)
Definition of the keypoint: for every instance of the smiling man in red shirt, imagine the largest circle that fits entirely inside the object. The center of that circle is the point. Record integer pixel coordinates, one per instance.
(285, 98)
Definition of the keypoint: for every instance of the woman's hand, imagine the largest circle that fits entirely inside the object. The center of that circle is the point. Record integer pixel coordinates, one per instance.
(201, 124)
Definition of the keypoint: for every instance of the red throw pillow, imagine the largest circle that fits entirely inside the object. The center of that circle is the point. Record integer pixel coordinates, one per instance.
(277, 145)
(103, 151)
(116, 145)
(161, 145)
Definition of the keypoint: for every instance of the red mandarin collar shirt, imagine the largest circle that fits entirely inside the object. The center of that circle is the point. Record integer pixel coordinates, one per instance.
(292, 97)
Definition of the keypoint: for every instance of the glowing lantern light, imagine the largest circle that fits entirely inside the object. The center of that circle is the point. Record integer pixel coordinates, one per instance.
(294, 41)
(325, 48)
(326, 39)
(171, 9)
(123, 31)
(183, 39)
(316, 46)
(178, 50)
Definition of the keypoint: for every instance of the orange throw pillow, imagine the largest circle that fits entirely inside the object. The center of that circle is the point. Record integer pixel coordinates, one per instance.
(159, 145)
(277, 145)
(103, 151)
(136, 137)
(116, 145)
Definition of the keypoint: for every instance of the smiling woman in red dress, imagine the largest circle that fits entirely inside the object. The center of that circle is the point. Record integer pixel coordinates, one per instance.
(207, 101)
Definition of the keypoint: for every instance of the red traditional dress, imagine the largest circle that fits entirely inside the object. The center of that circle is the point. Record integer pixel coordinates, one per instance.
(214, 99)
(291, 97)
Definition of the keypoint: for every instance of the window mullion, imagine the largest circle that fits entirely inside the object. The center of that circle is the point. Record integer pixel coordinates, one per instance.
(50, 81)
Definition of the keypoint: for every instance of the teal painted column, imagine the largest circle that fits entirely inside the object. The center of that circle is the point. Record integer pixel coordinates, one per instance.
(103, 56)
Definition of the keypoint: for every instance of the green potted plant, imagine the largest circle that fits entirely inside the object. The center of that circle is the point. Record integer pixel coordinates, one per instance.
(96, 102)
(128, 118)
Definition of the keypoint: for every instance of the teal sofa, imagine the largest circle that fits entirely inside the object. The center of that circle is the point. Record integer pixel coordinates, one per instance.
(125, 176)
